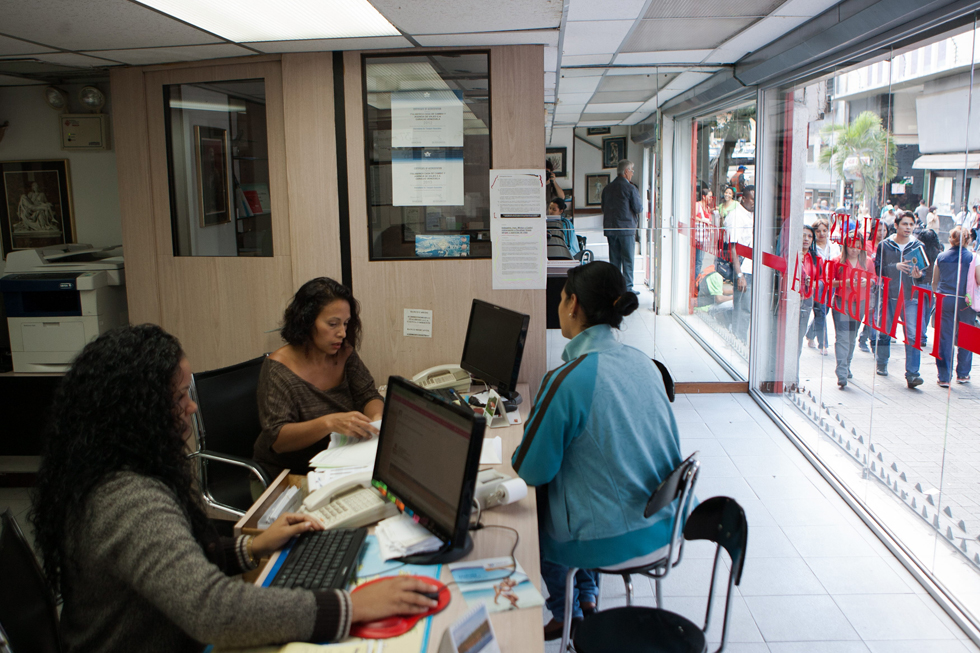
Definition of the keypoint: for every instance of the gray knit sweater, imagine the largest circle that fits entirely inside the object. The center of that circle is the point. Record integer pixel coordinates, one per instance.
(137, 580)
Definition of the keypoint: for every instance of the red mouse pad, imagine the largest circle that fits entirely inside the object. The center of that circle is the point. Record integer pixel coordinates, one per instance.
(399, 624)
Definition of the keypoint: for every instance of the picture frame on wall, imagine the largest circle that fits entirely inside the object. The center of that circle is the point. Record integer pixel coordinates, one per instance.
(37, 205)
(214, 201)
(597, 131)
(613, 151)
(557, 156)
(593, 188)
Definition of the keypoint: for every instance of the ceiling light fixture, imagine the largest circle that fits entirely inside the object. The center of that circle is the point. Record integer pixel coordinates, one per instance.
(91, 98)
(56, 98)
(244, 21)
(233, 106)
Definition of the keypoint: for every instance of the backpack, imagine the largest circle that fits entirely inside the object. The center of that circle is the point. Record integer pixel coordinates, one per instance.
(972, 289)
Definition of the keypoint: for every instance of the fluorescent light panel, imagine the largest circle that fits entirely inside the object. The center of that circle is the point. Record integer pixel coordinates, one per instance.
(287, 20)
(233, 106)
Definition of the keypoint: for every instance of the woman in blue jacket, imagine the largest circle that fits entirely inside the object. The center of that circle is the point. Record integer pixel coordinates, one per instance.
(600, 438)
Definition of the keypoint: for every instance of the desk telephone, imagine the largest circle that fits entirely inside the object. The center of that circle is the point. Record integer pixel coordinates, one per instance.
(443, 376)
(348, 502)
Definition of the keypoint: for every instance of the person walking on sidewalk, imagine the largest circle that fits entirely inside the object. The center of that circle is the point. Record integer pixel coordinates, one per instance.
(846, 285)
(827, 250)
(621, 208)
(949, 277)
(892, 264)
(872, 249)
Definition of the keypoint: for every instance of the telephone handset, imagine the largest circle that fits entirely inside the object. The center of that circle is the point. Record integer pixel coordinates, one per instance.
(348, 502)
(443, 376)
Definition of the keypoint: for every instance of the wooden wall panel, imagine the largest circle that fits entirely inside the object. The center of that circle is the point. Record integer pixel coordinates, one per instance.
(135, 186)
(386, 288)
(221, 308)
(311, 165)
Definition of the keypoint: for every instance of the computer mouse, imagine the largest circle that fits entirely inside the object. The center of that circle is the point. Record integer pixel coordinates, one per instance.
(399, 624)
(473, 401)
(430, 595)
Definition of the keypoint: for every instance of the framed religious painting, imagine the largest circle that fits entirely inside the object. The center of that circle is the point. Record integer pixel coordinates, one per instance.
(36, 209)
(213, 190)
(593, 188)
(557, 156)
(613, 151)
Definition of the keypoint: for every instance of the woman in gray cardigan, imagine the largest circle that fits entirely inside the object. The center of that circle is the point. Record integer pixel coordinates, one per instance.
(124, 538)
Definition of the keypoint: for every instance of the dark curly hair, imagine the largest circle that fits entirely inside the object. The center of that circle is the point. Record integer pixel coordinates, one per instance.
(115, 410)
(601, 291)
(300, 318)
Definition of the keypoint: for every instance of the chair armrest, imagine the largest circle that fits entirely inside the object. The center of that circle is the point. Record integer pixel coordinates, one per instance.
(238, 461)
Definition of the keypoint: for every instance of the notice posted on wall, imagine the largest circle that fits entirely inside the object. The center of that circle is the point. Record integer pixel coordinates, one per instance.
(427, 119)
(518, 229)
(427, 177)
(417, 323)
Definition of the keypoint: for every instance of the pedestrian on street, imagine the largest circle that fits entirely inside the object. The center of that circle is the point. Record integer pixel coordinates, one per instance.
(621, 208)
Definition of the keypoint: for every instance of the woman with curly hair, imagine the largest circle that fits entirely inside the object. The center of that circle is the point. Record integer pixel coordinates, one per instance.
(316, 384)
(124, 538)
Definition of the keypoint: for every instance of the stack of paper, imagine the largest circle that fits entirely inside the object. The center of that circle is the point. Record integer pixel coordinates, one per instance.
(401, 536)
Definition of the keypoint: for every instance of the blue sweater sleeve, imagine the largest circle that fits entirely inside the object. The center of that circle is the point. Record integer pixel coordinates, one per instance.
(558, 416)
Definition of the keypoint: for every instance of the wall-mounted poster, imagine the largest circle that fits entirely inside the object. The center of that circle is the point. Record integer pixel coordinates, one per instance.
(557, 157)
(593, 188)
(427, 177)
(427, 119)
(613, 151)
(213, 190)
(36, 210)
(596, 131)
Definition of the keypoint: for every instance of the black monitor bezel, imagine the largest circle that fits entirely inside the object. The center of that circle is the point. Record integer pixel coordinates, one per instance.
(478, 426)
(503, 386)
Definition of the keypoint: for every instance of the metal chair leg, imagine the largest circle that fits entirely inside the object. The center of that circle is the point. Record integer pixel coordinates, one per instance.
(628, 581)
(566, 626)
(660, 593)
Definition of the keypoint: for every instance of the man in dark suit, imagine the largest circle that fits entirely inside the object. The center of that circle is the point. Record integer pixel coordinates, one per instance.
(621, 207)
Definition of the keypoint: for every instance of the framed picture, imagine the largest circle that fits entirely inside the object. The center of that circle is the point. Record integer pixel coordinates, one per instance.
(596, 131)
(613, 151)
(36, 209)
(557, 157)
(213, 165)
(593, 188)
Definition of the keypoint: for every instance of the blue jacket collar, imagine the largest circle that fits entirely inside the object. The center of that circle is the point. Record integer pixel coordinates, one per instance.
(593, 339)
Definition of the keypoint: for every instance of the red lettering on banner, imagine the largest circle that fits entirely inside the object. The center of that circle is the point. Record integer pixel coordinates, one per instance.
(796, 277)
(855, 294)
(920, 308)
(898, 316)
(968, 338)
(939, 324)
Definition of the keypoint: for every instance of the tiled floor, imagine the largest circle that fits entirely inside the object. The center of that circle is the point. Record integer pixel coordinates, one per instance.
(815, 578)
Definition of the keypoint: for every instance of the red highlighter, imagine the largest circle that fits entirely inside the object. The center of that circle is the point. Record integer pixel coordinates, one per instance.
(399, 624)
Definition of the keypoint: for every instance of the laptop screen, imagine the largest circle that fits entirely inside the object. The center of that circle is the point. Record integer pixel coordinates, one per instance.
(428, 454)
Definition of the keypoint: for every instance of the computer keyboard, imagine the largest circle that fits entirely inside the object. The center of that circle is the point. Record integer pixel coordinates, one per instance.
(321, 560)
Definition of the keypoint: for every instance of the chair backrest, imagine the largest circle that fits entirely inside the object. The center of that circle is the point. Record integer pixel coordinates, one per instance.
(28, 614)
(668, 379)
(679, 486)
(227, 409)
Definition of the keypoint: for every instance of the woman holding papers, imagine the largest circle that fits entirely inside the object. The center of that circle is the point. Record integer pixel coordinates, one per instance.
(316, 384)
(124, 537)
(600, 438)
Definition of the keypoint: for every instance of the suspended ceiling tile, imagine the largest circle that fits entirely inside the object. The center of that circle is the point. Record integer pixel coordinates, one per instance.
(591, 10)
(150, 56)
(579, 84)
(74, 59)
(809, 8)
(97, 25)
(612, 107)
(595, 121)
(462, 16)
(551, 58)
(667, 94)
(639, 95)
(586, 59)
(595, 37)
(646, 70)
(572, 98)
(685, 81)
(10, 80)
(564, 107)
(592, 71)
(729, 8)
(613, 115)
(10, 45)
(684, 33)
(524, 37)
(672, 57)
(638, 116)
(756, 36)
(327, 45)
(549, 80)
(630, 83)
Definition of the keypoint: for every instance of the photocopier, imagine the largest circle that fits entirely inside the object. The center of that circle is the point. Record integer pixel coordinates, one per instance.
(58, 299)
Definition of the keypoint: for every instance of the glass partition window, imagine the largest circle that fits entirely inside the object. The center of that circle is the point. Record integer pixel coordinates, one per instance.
(428, 155)
(218, 168)
(868, 230)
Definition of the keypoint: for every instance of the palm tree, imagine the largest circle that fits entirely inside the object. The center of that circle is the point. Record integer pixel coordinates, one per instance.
(864, 149)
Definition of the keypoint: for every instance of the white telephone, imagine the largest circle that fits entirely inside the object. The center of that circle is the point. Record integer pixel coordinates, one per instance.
(349, 502)
(443, 376)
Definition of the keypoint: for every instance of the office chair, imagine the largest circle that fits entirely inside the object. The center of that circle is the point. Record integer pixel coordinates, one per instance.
(28, 614)
(678, 486)
(226, 425)
(720, 520)
(668, 379)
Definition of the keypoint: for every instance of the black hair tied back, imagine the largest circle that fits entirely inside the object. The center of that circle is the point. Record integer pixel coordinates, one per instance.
(626, 303)
(601, 291)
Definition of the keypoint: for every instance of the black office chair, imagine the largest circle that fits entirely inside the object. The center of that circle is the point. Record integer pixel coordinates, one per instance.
(227, 425)
(668, 379)
(720, 520)
(28, 614)
(678, 486)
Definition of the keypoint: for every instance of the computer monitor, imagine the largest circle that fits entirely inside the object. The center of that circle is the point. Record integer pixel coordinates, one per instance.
(494, 347)
(427, 463)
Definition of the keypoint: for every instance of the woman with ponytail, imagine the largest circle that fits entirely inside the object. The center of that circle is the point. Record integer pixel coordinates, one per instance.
(600, 438)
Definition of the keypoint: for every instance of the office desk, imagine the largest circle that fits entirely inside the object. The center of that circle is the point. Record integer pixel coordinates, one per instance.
(519, 630)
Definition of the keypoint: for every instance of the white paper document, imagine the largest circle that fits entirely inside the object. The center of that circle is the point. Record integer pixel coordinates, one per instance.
(347, 451)
(518, 229)
(401, 536)
(427, 119)
(492, 453)
(427, 177)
